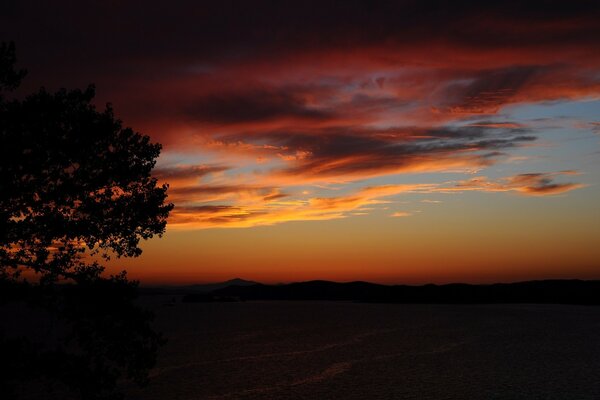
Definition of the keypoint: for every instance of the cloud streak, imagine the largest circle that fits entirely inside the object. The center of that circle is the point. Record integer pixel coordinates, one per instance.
(257, 211)
(530, 184)
(270, 212)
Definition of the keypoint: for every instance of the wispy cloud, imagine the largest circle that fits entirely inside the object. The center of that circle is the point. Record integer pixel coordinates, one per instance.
(257, 210)
(531, 184)
(256, 213)
(401, 214)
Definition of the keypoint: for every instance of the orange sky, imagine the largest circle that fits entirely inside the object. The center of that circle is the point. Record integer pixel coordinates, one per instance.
(492, 239)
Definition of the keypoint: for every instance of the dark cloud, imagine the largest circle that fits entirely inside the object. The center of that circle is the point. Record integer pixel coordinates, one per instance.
(530, 184)
(213, 215)
(255, 105)
(207, 209)
(486, 91)
(344, 151)
(542, 183)
(186, 172)
(221, 62)
(213, 192)
(213, 189)
(498, 124)
(69, 38)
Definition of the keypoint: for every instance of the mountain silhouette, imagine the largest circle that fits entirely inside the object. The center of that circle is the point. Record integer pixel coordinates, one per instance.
(543, 291)
(210, 287)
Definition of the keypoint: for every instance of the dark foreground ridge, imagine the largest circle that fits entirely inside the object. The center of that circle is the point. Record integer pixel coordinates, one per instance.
(543, 291)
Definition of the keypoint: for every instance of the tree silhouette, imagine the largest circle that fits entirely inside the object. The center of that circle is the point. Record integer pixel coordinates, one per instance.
(75, 189)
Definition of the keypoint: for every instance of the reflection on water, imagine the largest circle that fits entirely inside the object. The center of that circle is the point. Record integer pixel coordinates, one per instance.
(333, 350)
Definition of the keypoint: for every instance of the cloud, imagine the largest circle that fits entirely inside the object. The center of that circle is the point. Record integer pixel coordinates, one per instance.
(251, 206)
(486, 91)
(265, 103)
(499, 125)
(209, 63)
(530, 184)
(595, 127)
(242, 193)
(344, 154)
(254, 105)
(541, 184)
(257, 212)
(186, 174)
(401, 214)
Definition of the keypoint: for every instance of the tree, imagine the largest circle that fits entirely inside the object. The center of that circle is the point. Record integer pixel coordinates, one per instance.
(75, 189)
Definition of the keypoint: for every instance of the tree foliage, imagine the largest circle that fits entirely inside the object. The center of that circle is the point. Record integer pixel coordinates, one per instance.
(73, 180)
(75, 188)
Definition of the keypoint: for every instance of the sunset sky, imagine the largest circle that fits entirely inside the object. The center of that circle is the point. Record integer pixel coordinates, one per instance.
(404, 143)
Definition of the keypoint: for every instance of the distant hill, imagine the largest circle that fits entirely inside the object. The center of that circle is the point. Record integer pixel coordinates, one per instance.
(543, 291)
(210, 287)
(196, 288)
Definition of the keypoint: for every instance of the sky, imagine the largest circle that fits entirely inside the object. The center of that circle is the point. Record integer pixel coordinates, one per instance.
(402, 142)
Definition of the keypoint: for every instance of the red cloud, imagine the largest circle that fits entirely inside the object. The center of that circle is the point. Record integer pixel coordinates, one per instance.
(298, 93)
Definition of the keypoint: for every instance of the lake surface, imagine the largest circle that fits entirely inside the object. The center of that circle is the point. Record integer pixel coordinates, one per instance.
(338, 350)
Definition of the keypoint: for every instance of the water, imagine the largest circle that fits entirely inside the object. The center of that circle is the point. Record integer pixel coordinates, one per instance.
(335, 350)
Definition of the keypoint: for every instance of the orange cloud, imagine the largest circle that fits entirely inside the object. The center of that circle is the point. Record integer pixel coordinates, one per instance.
(273, 209)
(269, 212)
(401, 214)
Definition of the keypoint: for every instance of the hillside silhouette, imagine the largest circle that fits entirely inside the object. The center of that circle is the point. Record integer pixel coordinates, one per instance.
(542, 291)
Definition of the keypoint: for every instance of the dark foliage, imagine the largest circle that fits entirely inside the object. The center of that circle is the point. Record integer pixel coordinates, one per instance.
(75, 188)
(9, 77)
